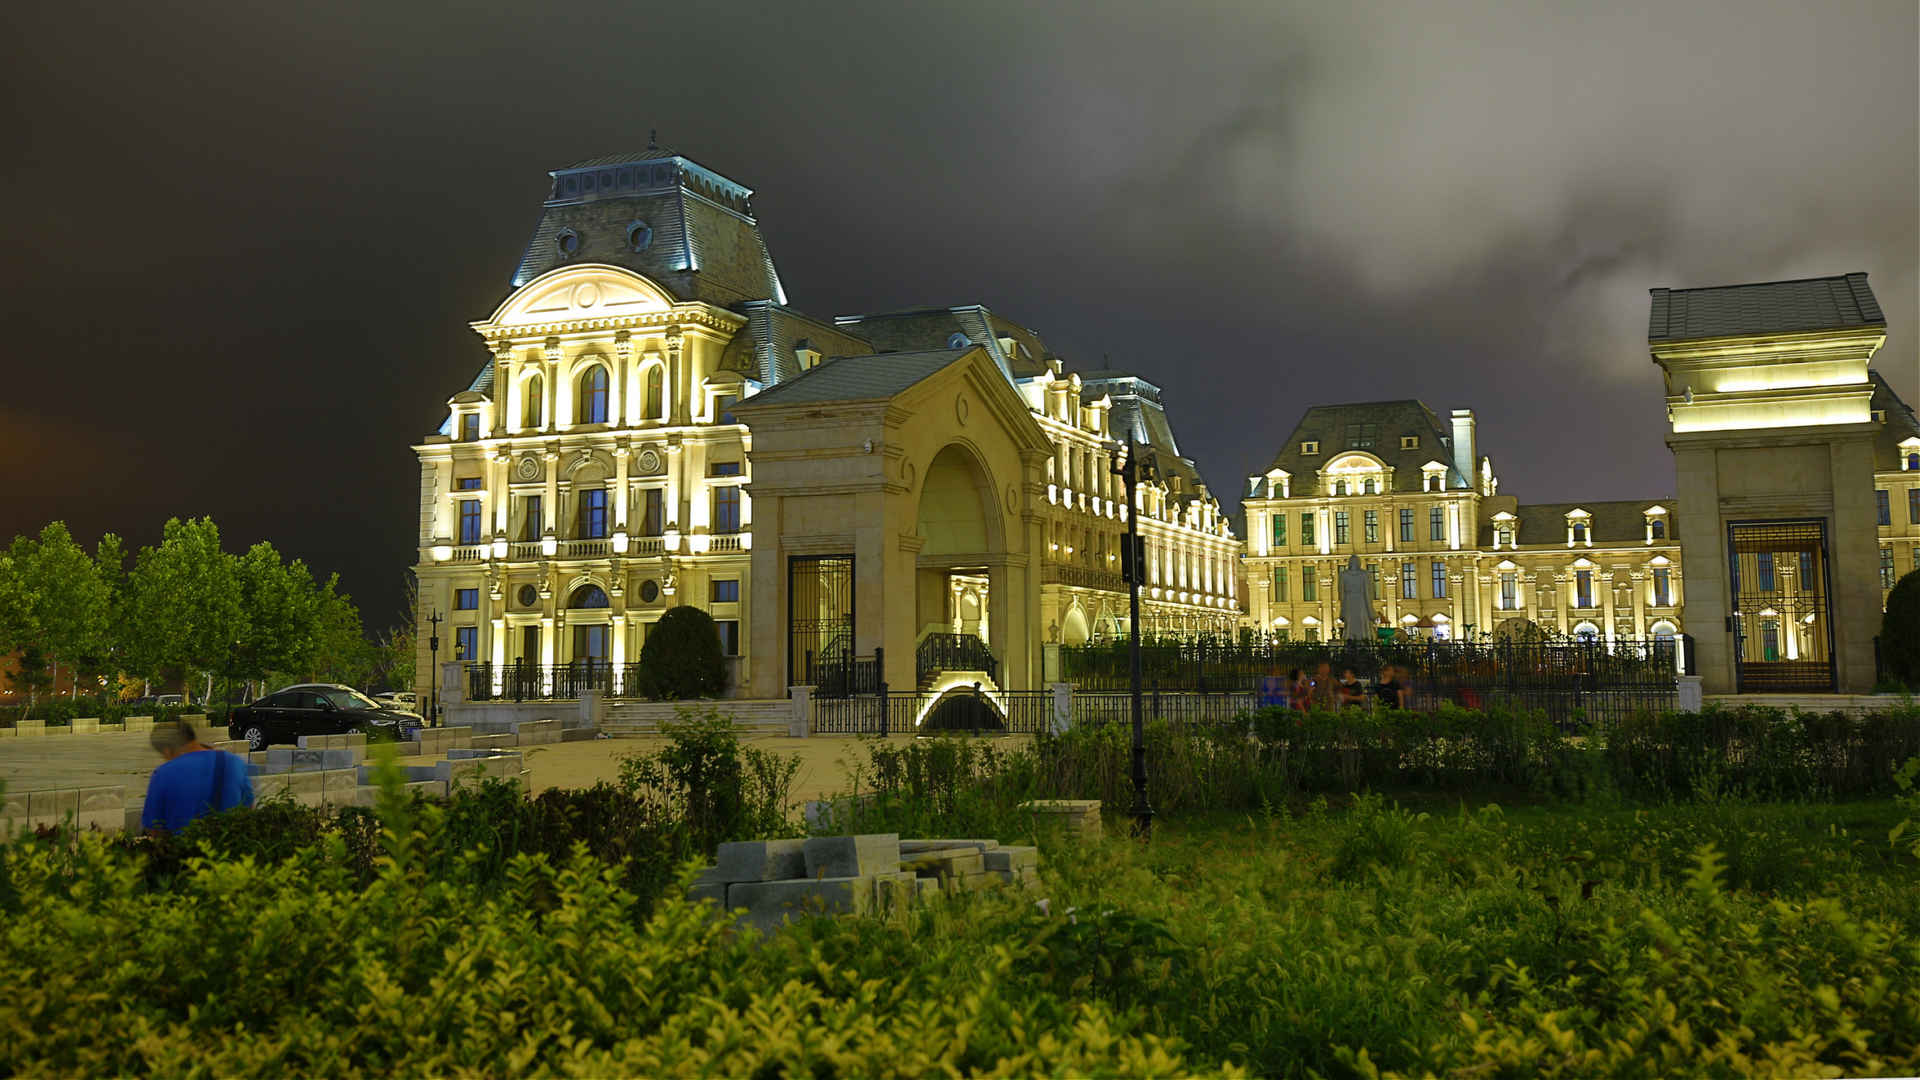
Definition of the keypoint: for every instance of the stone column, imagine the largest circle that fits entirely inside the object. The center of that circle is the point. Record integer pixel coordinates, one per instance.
(550, 503)
(675, 462)
(498, 477)
(1605, 580)
(677, 379)
(617, 379)
(550, 396)
(622, 454)
(1640, 586)
(506, 389)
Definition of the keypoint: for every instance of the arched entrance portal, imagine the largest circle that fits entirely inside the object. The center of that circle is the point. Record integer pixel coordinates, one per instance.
(962, 555)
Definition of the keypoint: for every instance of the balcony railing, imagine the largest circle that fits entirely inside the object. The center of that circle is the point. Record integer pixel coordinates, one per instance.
(526, 549)
(647, 545)
(724, 542)
(586, 549)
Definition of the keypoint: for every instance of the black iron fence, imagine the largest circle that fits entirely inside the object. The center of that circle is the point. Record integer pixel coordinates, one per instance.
(910, 712)
(1564, 678)
(548, 682)
(839, 674)
(952, 652)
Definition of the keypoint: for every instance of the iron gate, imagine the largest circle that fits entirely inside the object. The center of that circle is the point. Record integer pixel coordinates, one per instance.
(1782, 629)
(820, 622)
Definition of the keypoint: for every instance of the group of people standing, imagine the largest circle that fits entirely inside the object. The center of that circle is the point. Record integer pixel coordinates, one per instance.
(1323, 691)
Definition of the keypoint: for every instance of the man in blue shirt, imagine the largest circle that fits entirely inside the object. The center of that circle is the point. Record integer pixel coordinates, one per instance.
(195, 780)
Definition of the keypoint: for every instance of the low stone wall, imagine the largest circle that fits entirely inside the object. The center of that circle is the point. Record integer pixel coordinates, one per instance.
(1077, 817)
(87, 808)
(764, 883)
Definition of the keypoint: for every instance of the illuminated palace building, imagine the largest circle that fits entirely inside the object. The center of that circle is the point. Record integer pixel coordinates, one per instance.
(1449, 555)
(655, 425)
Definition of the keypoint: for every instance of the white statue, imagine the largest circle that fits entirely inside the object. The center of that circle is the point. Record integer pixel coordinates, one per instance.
(1356, 607)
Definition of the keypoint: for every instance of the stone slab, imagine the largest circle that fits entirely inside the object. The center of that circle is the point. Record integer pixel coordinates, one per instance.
(494, 742)
(761, 860)
(52, 807)
(770, 903)
(536, 732)
(584, 734)
(1010, 858)
(27, 728)
(13, 808)
(947, 862)
(105, 797)
(142, 724)
(715, 891)
(434, 788)
(852, 856)
(910, 847)
(471, 753)
(85, 725)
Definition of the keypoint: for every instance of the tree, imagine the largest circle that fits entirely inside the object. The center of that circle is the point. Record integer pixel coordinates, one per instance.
(341, 652)
(183, 602)
(59, 600)
(280, 614)
(394, 652)
(682, 657)
(1900, 631)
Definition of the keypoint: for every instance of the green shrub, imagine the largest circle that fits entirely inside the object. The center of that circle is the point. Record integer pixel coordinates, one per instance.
(1900, 631)
(681, 659)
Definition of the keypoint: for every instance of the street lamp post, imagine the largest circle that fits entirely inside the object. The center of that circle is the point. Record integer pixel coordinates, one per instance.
(433, 671)
(1133, 569)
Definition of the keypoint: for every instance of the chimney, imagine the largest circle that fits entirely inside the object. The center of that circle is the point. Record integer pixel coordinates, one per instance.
(1464, 454)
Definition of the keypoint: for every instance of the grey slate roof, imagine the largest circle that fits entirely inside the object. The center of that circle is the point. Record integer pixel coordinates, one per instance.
(765, 349)
(1901, 424)
(1138, 413)
(1765, 307)
(856, 378)
(1614, 522)
(934, 328)
(1328, 425)
(651, 153)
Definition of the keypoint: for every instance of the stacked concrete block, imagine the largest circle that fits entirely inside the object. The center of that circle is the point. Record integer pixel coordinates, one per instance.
(343, 741)
(473, 770)
(852, 856)
(25, 728)
(280, 759)
(767, 904)
(579, 734)
(85, 725)
(494, 742)
(956, 869)
(308, 787)
(1079, 818)
(761, 860)
(139, 724)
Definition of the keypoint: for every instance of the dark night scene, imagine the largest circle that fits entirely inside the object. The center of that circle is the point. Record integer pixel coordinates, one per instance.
(837, 540)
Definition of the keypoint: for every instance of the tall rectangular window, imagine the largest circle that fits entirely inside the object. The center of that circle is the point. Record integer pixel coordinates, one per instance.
(1806, 570)
(1583, 588)
(1880, 501)
(593, 514)
(1280, 583)
(466, 599)
(1409, 582)
(1439, 579)
(1662, 587)
(723, 407)
(1406, 524)
(1886, 568)
(1765, 563)
(724, 591)
(1310, 585)
(466, 643)
(653, 514)
(1436, 522)
(1913, 505)
(469, 427)
(1372, 524)
(1342, 526)
(1280, 529)
(533, 517)
(1306, 528)
(1509, 592)
(469, 521)
(1313, 634)
(1282, 636)
(726, 509)
(729, 636)
(1373, 582)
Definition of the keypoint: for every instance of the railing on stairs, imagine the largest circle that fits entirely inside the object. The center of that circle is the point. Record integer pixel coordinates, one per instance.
(953, 652)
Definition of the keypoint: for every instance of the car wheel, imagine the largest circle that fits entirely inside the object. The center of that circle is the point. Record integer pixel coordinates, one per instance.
(256, 738)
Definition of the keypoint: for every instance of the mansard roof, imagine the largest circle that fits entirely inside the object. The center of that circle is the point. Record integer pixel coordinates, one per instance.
(1764, 307)
(945, 327)
(1612, 521)
(858, 378)
(660, 214)
(766, 350)
(1900, 426)
(1329, 425)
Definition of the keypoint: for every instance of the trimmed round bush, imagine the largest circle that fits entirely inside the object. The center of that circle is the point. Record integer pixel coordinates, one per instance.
(682, 658)
(1900, 631)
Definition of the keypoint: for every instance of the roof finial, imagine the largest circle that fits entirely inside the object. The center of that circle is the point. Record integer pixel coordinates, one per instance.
(653, 138)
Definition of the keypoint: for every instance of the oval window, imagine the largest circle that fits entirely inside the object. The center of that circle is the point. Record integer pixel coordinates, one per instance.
(649, 591)
(639, 236)
(529, 596)
(567, 242)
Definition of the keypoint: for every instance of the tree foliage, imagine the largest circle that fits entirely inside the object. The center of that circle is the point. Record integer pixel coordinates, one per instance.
(681, 659)
(1900, 631)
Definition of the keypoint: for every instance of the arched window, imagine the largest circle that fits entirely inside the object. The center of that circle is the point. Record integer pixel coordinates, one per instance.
(588, 596)
(1369, 485)
(1913, 461)
(655, 397)
(1339, 487)
(593, 397)
(533, 408)
(1659, 528)
(1587, 631)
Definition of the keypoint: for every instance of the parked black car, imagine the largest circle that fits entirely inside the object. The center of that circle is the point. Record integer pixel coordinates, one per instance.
(317, 709)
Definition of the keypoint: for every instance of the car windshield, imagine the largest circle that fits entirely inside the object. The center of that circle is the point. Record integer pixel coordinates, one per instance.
(348, 699)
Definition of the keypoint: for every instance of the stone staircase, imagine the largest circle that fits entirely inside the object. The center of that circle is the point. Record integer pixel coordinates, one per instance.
(631, 718)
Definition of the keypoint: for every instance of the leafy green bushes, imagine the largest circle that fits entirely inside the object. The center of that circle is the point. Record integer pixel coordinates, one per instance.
(1762, 752)
(681, 659)
(1900, 632)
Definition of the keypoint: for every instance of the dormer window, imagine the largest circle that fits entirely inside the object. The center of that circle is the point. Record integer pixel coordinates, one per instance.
(1310, 447)
(1579, 532)
(1362, 436)
(470, 427)
(805, 355)
(1368, 485)
(1913, 461)
(1579, 528)
(1503, 536)
(1339, 487)
(1656, 523)
(1879, 416)
(1409, 442)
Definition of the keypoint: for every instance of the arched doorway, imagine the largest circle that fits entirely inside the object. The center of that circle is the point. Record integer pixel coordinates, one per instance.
(962, 553)
(1074, 629)
(592, 637)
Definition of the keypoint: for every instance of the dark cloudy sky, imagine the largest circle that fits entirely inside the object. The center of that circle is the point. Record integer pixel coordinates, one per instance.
(244, 240)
